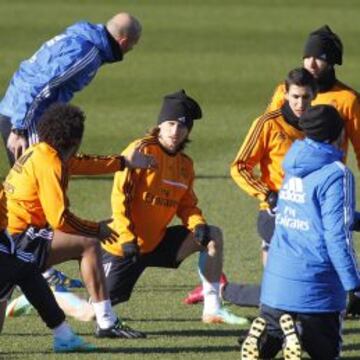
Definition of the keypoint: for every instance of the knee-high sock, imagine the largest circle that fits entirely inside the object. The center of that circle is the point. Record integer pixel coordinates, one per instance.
(211, 290)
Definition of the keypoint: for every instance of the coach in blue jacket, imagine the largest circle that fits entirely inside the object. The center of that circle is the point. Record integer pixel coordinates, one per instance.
(63, 65)
(311, 263)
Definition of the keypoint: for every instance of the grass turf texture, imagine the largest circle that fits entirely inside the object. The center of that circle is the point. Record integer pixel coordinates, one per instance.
(229, 55)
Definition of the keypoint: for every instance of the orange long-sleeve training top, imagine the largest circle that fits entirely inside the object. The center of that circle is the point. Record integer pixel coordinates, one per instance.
(347, 103)
(36, 189)
(144, 202)
(266, 144)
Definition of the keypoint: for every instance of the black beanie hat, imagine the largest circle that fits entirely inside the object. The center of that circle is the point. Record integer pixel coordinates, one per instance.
(321, 123)
(325, 45)
(180, 107)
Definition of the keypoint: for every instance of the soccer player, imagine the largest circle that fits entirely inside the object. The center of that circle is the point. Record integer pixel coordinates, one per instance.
(322, 51)
(265, 146)
(39, 218)
(17, 268)
(144, 202)
(62, 66)
(311, 263)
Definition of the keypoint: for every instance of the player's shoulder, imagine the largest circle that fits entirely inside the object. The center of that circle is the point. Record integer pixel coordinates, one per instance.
(43, 153)
(341, 169)
(337, 172)
(346, 91)
(187, 158)
(268, 118)
(145, 144)
(280, 88)
(146, 141)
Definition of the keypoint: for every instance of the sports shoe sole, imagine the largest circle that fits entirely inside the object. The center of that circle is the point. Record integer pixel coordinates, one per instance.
(250, 346)
(292, 346)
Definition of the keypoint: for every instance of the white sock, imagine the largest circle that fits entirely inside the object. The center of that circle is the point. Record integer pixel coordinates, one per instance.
(46, 274)
(63, 331)
(211, 293)
(105, 316)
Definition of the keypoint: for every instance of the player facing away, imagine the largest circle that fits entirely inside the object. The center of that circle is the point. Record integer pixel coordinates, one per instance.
(17, 268)
(39, 218)
(144, 202)
(311, 263)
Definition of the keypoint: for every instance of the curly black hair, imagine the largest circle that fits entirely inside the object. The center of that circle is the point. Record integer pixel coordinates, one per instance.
(61, 126)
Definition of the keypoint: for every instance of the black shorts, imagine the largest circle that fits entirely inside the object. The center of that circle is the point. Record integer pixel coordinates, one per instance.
(266, 227)
(11, 268)
(320, 333)
(26, 275)
(122, 273)
(36, 242)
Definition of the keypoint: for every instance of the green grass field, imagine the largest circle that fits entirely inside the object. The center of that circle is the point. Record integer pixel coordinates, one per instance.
(228, 54)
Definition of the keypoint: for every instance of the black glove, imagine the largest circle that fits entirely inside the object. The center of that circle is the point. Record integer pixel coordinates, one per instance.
(202, 234)
(271, 199)
(353, 305)
(131, 251)
(355, 225)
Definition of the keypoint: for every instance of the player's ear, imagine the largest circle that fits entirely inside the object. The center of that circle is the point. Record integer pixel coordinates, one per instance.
(125, 44)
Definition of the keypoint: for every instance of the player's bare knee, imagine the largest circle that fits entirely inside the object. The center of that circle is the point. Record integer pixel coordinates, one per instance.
(91, 245)
(216, 237)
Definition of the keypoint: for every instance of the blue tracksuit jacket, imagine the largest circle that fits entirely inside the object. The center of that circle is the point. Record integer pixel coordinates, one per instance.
(311, 262)
(63, 65)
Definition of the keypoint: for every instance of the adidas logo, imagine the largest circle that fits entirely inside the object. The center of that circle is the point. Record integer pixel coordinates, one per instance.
(323, 56)
(293, 190)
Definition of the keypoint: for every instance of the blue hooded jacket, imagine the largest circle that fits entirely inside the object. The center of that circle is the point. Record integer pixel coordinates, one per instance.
(311, 262)
(63, 65)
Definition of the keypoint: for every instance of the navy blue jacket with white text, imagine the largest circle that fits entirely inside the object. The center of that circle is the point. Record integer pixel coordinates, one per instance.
(311, 262)
(63, 65)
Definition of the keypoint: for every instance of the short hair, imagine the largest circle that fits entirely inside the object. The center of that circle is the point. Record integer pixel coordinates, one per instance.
(300, 77)
(61, 126)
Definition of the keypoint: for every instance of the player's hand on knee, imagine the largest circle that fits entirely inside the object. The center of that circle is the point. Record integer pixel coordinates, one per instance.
(137, 159)
(17, 144)
(131, 250)
(106, 234)
(202, 234)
